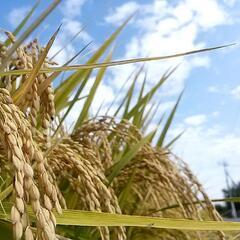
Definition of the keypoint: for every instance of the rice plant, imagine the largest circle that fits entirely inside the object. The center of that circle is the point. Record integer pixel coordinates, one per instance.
(106, 178)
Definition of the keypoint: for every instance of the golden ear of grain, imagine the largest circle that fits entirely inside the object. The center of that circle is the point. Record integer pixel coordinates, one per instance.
(19, 144)
(158, 178)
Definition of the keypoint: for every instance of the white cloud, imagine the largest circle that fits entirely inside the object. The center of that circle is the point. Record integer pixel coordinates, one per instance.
(65, 54)
(230, 3)
(215, 114)
(16, 15)
(196, 120)
(204, 147)
(213, 89)
(121, 13)
(236, 92)
(104, 94)
(103, 97)
(72, 27)
(72, 8)
(207, 17)
(163, 29)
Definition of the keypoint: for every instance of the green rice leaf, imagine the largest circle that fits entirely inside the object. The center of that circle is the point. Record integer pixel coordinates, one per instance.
(114, 63)
(63, 91)
(27, 33)
(54, 75)
(22, 23)
(148, 96)
(68, 43)
(87, 218)
(6, 192)
(174, 140)
(127, 157)
(168, 123)
(84, 112)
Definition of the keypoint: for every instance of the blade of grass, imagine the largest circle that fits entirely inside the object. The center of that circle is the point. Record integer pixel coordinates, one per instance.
(168, 123)
(22, 23)
(69, 42)
(119, 93)
(143, 87)
(79, 99)
(124, 195)
(87, 218)
(129, 96)
(99, 109)
(28, 31)
(127, 157)
(149, 116)
(91, 95)
(138, 119)
(121, 104)
(54, 75)
(6, 192)
(174, 139)
(64, 90)
(158, 124)
(76, 96)
(148, 96)
(114, 63)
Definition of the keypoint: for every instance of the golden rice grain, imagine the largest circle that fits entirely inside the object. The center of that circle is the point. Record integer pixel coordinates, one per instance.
(28, 234)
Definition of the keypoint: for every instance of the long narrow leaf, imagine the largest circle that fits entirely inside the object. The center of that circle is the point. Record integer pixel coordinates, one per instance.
(54, 75)
(129, 96)
(29, 30)
(68, 42)
(119, 93)
(174, 140)
(64, 90)
(148, 96)
(91, 95)
(168, 123)
(22, 23)
(87, 218)
(119, 165)
(114, 63)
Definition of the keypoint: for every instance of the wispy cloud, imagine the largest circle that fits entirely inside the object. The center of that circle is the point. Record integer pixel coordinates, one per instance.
(213, 89)
(16, 15)
(196, 120)
(236, 92)
(163, 28)
(71, 11)
(204, 147)
(72, 8)
(118, 15)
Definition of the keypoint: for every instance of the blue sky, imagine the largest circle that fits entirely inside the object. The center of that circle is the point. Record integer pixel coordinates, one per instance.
(210, 108)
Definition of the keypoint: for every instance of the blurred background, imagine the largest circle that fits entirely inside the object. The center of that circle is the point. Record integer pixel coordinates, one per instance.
(209, 111)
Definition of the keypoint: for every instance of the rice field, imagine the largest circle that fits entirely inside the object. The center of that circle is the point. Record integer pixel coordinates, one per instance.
(106, 178)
